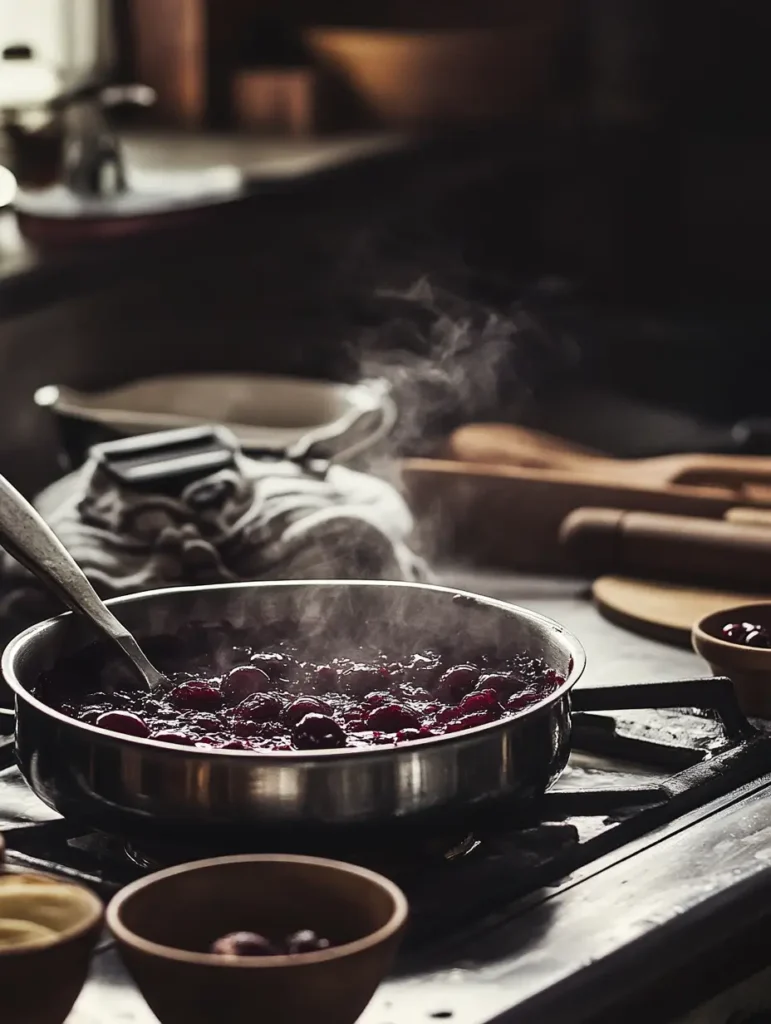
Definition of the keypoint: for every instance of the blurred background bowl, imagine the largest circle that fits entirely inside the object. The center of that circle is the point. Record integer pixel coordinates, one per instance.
(404, 79)
(263, 411)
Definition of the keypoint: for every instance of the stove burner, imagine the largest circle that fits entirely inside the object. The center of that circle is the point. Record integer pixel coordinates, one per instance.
(150, 855)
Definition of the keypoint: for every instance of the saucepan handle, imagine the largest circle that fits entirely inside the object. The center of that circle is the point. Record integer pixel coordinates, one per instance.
(361, 429)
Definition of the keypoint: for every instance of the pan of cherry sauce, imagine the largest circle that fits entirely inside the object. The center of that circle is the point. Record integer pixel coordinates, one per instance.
(295, 704)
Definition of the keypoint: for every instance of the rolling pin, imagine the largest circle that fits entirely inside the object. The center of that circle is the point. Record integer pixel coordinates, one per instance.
(750, 516)
(674, 549)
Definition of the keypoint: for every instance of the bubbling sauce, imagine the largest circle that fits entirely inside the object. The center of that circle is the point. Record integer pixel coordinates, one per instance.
(224, 691)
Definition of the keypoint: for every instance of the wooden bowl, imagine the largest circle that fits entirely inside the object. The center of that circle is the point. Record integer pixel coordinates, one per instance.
(409, 78)
(39, 984)
(166, 922)
(748, 668)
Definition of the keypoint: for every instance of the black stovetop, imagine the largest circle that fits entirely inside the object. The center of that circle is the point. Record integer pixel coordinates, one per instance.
(644, 887)
(677, 747)
(687, 744)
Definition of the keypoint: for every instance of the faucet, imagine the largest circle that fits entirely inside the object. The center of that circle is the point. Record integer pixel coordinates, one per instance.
(76, 145)
(92, 159)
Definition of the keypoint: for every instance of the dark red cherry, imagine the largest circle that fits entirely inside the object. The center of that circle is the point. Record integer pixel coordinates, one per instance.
(306, 941)
(470, 721)
(447, 715)
(552, 681)
(198, 695)
(207, 723)
(244, 944)
(234, 745)
(361, 679)
(421, 669)
(737, 632)
(305, 706)
(317, 732)
(407, 735)
(481, 700)
(275, 664)
(260, 707)
(391, 718)
(757, 638)
(325, 678)
(502, 682)
(243, 681)
(456, 682)
(520, 700)
(376, 698)
(415, 693)
(247, 730)
(123, 721)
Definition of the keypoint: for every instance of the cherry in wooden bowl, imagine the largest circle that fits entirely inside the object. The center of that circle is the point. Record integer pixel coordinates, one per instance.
(48, 930)
(166, 923)
(736, 642)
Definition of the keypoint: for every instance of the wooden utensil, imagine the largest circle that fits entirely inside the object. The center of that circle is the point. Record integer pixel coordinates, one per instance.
(510, 516)
(502, 444)
(660, 611)
(749, 516)
(668, 611)
(679, 549)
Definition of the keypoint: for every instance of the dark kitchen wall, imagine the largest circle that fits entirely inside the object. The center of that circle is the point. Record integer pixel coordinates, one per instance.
(188, 49)
(399, 13)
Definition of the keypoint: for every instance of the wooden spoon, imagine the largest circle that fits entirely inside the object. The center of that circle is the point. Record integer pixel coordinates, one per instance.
(503, 444)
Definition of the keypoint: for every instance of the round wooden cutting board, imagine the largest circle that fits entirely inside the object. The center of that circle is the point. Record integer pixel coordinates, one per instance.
(661, 611)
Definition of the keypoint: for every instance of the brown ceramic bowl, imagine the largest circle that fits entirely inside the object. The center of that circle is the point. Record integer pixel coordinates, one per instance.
(39, 984)
(165, 924)
(748, 668)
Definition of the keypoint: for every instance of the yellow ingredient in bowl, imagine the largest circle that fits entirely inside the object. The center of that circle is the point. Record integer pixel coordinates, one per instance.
(14, 880)
(57, 907)
(22, 934)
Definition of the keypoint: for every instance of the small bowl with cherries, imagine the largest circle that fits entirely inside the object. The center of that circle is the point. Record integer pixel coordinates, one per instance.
(276, 937)
(736, 642)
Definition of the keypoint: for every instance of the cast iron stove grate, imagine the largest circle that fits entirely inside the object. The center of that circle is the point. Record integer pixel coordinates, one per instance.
(689, 745)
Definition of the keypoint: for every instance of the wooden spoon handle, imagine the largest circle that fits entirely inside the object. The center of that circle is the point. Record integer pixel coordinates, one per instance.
(734, 471)
(504, 444)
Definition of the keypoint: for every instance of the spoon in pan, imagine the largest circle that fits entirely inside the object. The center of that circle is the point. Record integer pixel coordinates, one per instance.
(25, 535)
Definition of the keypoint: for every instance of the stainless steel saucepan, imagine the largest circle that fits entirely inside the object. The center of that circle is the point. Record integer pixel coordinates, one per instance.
(134, 785)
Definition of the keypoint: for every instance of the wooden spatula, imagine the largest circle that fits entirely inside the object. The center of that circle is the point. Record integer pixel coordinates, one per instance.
(503, 444)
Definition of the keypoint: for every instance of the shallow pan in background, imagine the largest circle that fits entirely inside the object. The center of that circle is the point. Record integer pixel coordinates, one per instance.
(338, 420)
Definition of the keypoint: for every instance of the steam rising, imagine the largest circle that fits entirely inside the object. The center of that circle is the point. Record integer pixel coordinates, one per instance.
(450, 360)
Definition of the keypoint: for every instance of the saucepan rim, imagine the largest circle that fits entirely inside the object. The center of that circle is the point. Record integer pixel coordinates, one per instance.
(29, 636)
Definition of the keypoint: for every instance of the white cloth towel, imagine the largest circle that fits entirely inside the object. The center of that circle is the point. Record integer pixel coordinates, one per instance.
(261, 520)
